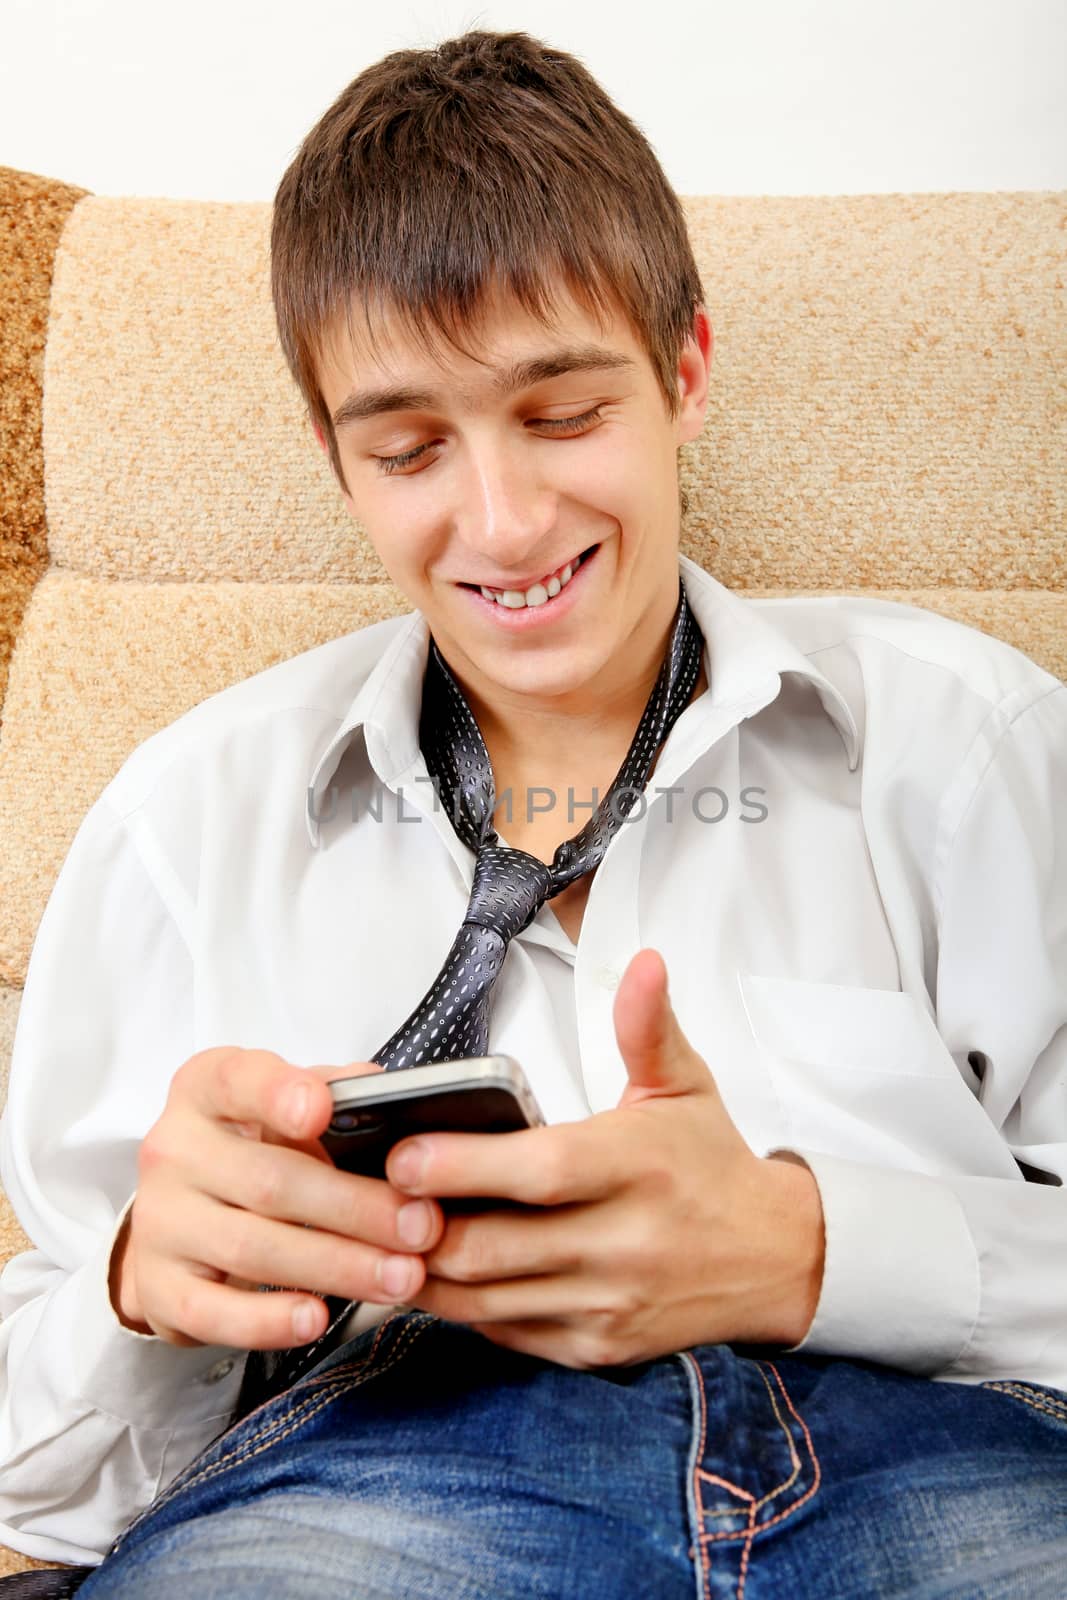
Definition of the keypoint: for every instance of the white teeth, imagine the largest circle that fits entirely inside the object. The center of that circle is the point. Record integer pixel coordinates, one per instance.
(537, 594)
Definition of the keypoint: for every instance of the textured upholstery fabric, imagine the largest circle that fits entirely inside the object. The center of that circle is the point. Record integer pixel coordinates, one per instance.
(888, 415)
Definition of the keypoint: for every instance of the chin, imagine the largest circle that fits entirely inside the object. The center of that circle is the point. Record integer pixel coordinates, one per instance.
(547, 673)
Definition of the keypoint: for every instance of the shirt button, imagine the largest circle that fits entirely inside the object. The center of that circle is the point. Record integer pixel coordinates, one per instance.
(220, 1370)
(607, 977)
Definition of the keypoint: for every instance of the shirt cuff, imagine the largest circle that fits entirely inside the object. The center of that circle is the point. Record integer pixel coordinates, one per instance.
(138, 1377)
(901, 1282)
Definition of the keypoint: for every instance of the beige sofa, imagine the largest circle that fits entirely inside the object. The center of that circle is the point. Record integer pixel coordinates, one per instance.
(888, 412)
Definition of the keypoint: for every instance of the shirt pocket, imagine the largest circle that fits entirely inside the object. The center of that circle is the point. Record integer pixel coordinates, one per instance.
(863, 1073)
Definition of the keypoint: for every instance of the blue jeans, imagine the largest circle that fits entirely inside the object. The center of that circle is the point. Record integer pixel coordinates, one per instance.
(420, 1460)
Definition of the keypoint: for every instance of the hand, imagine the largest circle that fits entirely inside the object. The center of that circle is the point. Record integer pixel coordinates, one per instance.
(235, 1191)
(650, 1228)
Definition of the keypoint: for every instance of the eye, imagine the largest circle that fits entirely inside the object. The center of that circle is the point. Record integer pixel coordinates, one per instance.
(568, 424)
(560, 426)
(396, 463)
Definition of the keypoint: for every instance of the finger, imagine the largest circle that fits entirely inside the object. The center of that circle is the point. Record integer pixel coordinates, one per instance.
(228, 1083)
(317, 1121)
(567, 1162)
(206, 1311)
(545, 1339)
(526, 1242)
(250, 1087)
(530, 1339)
(328, 1075)
(279, 1181)
(207, 1238)
(516, 1300)
(554, 1341)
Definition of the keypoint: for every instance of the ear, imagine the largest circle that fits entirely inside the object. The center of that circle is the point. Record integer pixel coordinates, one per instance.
(694, 368)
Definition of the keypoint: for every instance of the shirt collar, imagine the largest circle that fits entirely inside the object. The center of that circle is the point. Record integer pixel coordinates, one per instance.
(743, 651)
(743, 648)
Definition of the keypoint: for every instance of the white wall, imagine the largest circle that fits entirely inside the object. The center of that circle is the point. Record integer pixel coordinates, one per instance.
(209, 99)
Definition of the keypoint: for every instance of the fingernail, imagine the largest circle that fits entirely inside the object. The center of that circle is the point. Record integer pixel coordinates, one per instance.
(413, 1222)
(407, 1164)
(305, 1321)
(297, 1105)
(397, 1275)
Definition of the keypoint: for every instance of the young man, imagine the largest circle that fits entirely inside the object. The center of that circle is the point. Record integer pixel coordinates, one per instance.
(768, 1208)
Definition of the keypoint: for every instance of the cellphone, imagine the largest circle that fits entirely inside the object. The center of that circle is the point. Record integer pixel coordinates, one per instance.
(481, 1094)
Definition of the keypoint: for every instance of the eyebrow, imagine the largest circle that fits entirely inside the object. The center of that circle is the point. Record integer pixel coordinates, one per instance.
(361, 404)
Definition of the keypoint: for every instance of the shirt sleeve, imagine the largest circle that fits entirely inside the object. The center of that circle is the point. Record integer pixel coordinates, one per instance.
(95, 1419)
(955, 1276)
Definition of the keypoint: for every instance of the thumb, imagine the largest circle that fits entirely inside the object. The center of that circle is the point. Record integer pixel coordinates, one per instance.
(658, 1057)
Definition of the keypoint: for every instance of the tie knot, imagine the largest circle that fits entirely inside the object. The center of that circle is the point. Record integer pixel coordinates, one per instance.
(509, 889)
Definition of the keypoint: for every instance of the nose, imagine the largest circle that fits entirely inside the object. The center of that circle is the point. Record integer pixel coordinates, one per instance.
(506, 510)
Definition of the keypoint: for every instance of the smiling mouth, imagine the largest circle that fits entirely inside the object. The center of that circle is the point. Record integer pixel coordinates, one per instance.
(538, 593)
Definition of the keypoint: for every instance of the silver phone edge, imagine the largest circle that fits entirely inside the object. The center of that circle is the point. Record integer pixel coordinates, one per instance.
(497, 1070)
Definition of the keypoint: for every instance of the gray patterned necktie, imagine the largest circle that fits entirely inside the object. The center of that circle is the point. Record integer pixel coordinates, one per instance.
(509, 888)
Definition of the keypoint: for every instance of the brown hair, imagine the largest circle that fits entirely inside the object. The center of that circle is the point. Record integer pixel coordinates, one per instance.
(488, 160)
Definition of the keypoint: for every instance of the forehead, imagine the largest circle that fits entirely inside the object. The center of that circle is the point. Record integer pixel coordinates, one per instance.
(369, 365)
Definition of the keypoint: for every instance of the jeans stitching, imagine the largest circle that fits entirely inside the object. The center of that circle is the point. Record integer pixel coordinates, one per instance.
(1044, 1402)
(748, 1534)
(812, 1452)
(324, 1388)
(786, 1482)
(794, 1454)
(309, 1384)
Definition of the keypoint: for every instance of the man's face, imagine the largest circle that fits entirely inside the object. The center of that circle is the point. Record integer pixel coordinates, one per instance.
(559, 451)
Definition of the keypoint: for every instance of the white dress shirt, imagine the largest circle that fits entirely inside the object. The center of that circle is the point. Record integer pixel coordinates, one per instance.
(868, 948)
